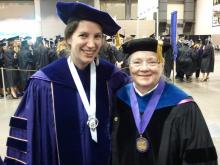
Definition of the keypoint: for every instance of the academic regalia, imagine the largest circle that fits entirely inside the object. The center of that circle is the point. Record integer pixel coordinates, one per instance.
(51, 119)
(109, 53)
(25, 62)
(52, 54)
(1, 65)
(168, 63)
(177, 133)
(199, 52)
(9, 63)
(71, 11)
(41, 57)
(184, 61)
(208, 59)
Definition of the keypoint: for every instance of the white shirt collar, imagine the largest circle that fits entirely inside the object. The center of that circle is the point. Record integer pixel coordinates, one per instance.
(139, 93)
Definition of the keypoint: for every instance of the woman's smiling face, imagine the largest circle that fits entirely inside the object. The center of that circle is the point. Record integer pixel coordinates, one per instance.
(145, 70)
(85, 42)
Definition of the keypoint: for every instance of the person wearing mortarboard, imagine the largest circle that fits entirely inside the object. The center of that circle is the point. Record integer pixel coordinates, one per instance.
(52, 51)
(185, 62)
(10, 63)
(168, 59)
(28, 39)
(109, 52)
(25, 62)
(154, 121)
(208, 60)
(51, 43)
(198, 48)
(58, 38)
(40, 53)
(64, 115)
(2, 48)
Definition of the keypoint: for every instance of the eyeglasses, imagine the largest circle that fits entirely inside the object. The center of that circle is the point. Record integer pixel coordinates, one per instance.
(141, 63)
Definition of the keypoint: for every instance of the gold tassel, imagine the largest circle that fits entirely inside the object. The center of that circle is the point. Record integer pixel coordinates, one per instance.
(160, 50)
(117, 41)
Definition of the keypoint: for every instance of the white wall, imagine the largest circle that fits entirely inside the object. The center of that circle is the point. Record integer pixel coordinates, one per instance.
(141, 28)
(203, 17)
(16, 10)
(51, 25)
(17, 18)
(175, 7)
(119, 8)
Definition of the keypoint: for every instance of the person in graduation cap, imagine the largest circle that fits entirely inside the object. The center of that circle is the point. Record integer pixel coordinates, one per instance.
(2, 48)
(155, 122)
(25, 63)
(64, 116)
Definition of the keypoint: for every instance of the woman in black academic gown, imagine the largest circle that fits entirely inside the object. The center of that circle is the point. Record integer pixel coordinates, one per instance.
(208, 60)
(1, 65)
(25, 62)
(155, 122)
(11, 74)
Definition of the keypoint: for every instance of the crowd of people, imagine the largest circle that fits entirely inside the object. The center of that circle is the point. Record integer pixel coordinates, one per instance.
(194, 57)
(21, 58)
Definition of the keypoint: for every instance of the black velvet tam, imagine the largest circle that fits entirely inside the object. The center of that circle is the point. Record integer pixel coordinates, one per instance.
(143, 44)
(75, 11)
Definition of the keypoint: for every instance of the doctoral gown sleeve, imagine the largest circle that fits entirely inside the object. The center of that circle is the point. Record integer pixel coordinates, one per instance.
(189, 140)
(118, 79)
(32, 136)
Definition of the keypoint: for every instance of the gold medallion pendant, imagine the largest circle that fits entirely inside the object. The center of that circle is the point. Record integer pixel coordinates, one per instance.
(142, 144)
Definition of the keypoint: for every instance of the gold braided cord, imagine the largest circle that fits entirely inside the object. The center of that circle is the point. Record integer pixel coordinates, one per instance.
(117, 41)
(159, 50)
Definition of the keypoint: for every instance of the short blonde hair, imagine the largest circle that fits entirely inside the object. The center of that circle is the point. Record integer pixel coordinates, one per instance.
(62, 45)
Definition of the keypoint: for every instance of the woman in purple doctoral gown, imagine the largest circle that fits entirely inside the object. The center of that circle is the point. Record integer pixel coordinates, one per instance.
(64, 115)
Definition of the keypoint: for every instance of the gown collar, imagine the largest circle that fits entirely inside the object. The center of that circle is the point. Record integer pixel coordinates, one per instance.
(171, 95)
(57, 72)
(142, 95)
